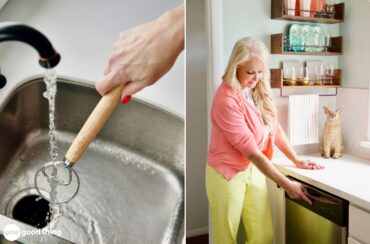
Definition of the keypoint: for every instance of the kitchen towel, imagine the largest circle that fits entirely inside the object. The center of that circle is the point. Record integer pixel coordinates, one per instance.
(303, 119)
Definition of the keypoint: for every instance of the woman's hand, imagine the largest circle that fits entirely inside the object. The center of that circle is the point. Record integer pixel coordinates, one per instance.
(282, 143)
(295, 190)
(143, 54)
(307, 164)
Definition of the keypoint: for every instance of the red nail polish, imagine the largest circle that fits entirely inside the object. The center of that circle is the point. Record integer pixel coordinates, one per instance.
(126, 99)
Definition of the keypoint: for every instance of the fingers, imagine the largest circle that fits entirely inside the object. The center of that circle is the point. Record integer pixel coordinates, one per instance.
(305, 195)
(315, 166)
(308, 164)
(114, 78)
(318, 166)
(298, 192)
(132, 88)
(126, 99)
(110, 81)
(305, 198)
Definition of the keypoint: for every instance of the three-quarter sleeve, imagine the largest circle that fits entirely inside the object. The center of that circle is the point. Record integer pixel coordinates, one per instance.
(228, 115)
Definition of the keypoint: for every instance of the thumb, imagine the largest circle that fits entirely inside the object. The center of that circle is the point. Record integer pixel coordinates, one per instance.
(110, 81)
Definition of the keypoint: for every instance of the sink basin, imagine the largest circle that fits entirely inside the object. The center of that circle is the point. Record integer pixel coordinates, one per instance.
(132, 175)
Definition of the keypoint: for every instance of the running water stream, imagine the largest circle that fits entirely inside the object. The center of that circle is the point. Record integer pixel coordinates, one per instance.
(77, 221)
(50, 80)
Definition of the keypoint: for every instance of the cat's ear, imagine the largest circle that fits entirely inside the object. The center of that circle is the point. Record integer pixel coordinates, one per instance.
(326, 110)
(339, 111)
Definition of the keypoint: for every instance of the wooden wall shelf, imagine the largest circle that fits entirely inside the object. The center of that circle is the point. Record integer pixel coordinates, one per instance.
(277, 12)
(277, 80)
(277, 47)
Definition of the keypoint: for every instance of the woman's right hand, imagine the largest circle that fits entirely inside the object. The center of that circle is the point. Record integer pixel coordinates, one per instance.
(295, 190)
(144, 54)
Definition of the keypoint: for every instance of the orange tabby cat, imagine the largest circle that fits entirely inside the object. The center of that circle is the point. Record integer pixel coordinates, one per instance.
(332, 142)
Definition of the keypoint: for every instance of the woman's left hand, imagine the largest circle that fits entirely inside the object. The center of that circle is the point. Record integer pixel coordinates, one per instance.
(307, 164)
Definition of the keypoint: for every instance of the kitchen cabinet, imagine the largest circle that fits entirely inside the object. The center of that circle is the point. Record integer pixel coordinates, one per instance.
(277, 200)
(354, 190)
(359, 225)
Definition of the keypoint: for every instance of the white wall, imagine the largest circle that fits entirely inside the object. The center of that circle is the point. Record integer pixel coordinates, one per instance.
(356, 76)
(83, 32)
(354, 103)
(196, 119)
(356, 29)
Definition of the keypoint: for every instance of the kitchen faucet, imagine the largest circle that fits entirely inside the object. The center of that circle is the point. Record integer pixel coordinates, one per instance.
(11, 31)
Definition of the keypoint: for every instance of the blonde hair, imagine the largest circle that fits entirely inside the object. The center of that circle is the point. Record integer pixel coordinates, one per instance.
(244, 50)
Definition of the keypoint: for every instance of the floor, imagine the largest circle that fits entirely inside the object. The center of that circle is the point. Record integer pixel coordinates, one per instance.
(202, 239)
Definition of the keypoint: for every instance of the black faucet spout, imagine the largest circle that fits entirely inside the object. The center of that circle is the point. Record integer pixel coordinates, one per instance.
(9, 31)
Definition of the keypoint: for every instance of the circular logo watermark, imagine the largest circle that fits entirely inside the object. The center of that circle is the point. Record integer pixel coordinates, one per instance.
(12, 232)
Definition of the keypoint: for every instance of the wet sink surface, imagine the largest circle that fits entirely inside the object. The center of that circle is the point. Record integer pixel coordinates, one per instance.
(131, 175)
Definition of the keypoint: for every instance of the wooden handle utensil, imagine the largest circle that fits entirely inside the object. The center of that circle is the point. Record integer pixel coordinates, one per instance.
(93, 124)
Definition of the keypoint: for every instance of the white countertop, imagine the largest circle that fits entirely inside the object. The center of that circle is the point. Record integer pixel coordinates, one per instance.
(347, 177)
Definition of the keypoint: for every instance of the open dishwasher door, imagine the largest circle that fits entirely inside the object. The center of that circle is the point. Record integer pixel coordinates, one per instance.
(323, 222)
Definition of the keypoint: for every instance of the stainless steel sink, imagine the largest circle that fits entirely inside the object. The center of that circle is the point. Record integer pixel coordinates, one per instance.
(132, 175)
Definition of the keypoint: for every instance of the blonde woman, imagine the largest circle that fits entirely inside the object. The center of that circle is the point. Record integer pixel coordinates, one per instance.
(244, 130)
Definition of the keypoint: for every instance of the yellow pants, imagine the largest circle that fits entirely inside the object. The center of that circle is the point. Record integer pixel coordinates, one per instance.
(244, 196)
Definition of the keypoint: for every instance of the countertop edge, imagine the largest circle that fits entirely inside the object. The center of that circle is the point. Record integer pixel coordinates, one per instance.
(292, 171)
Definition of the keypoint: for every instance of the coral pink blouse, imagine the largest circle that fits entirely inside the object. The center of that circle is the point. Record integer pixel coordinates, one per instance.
(237, 131)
